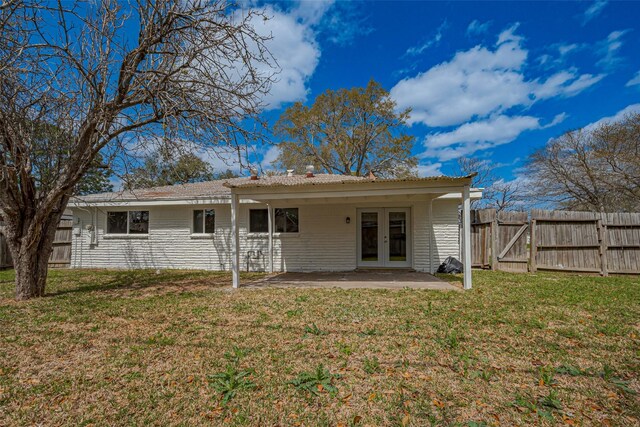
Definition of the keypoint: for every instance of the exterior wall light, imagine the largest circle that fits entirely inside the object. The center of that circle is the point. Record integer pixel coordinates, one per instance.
(348, 221)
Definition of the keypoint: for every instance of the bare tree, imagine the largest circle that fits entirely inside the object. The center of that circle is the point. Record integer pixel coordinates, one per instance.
(496, 193)
(112, 76)
(591, 169)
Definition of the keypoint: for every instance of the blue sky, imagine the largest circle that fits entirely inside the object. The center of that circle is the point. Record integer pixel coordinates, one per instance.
(493, 80)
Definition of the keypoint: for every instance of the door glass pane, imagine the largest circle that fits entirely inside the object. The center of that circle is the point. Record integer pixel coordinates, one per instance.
(369, 240)
(397, 236)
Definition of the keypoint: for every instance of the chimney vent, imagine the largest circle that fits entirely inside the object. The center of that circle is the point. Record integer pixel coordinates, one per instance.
(310, 171)
(254, 174)
(290, 172)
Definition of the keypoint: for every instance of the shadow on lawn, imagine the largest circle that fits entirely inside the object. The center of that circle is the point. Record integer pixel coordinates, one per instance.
(141, 280)
(451, 278)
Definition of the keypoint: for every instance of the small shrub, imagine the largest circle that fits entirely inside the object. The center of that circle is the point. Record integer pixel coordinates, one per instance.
(293, 313)
(369, 333)
(344, 348)
(551, 400)
(313, 330)
(547, 376)
(229, 382)
(569, 370)
(315, 382)
(371, 366)
(236, 354)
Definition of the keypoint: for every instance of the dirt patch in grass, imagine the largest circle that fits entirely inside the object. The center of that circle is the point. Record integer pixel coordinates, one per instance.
(180, 348)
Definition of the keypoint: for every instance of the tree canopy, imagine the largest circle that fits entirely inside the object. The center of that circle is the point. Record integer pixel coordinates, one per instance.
(597, 168)
(158, 170)
(85, 79)
(349, 131)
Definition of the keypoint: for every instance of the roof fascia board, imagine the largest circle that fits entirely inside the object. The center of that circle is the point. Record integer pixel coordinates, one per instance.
(346, 193)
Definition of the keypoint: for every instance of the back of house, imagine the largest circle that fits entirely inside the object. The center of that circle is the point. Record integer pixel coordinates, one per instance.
(307, 222)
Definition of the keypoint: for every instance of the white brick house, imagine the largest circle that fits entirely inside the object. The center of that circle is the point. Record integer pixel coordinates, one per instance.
(281, 223)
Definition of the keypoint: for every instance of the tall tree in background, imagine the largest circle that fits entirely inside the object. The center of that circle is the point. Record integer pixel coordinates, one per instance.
(349, 132)
(158, 170)
(96, 179)
(595, 169)
(497, 193)
(110, 76)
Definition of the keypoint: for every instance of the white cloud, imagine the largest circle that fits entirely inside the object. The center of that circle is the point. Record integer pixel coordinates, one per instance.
(476, 27)
(475, 136)
(481, 82)
(564, 49)
(564, 83)
(635, 80)
(434, 41)
(481, 135)
(593, 11)
(312, 12)
(296, 51)
(609, 49)
(430, 169)
(630, 109)
(269, 157)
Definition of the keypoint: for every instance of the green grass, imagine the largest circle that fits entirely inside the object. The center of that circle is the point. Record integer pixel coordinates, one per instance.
(182, 348)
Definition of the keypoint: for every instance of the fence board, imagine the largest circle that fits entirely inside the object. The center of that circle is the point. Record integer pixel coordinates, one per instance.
(559, 240)
(61, 254)
(5, 256)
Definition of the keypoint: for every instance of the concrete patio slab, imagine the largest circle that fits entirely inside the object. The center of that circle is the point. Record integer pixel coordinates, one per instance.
(360, 279)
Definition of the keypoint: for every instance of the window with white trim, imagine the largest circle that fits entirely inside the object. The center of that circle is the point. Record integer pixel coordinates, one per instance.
(204, 221)
(128, 222)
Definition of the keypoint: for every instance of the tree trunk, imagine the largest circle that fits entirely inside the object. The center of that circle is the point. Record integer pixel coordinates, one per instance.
(31, 272)
(30, 244)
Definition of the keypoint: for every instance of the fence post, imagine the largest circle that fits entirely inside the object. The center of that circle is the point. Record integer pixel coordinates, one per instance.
(602, 239)
(494, 244)
(533, 248)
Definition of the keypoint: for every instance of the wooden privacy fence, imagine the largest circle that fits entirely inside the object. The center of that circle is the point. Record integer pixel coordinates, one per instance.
(5, 257)
(556, 240)
(585, 241)
(499, 240)
(61, 254)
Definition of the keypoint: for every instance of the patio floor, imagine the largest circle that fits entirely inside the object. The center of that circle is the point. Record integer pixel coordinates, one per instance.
(361, 279)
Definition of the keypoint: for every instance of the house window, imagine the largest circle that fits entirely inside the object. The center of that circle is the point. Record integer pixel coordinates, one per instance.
(128, 222)
(258, 221)
(286, 220)
(204, 221)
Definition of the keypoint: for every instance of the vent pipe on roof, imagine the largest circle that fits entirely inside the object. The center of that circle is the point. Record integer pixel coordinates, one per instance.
(310, 171)
(290, 172)
(254, 174)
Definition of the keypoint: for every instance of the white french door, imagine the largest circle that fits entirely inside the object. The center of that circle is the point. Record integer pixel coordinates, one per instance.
(384, 237)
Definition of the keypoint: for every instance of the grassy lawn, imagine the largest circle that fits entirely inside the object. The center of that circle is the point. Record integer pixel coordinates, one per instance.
(182, 348)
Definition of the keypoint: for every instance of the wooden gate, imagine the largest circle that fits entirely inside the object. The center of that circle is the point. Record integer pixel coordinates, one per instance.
(499, 240)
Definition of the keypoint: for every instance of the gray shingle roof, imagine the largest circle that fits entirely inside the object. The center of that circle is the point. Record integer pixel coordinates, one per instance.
(222, 188)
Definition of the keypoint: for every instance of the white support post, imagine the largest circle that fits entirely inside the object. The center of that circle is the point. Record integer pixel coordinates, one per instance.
(270, 215)
(431, 232)
(466, 241)
(235, 241)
